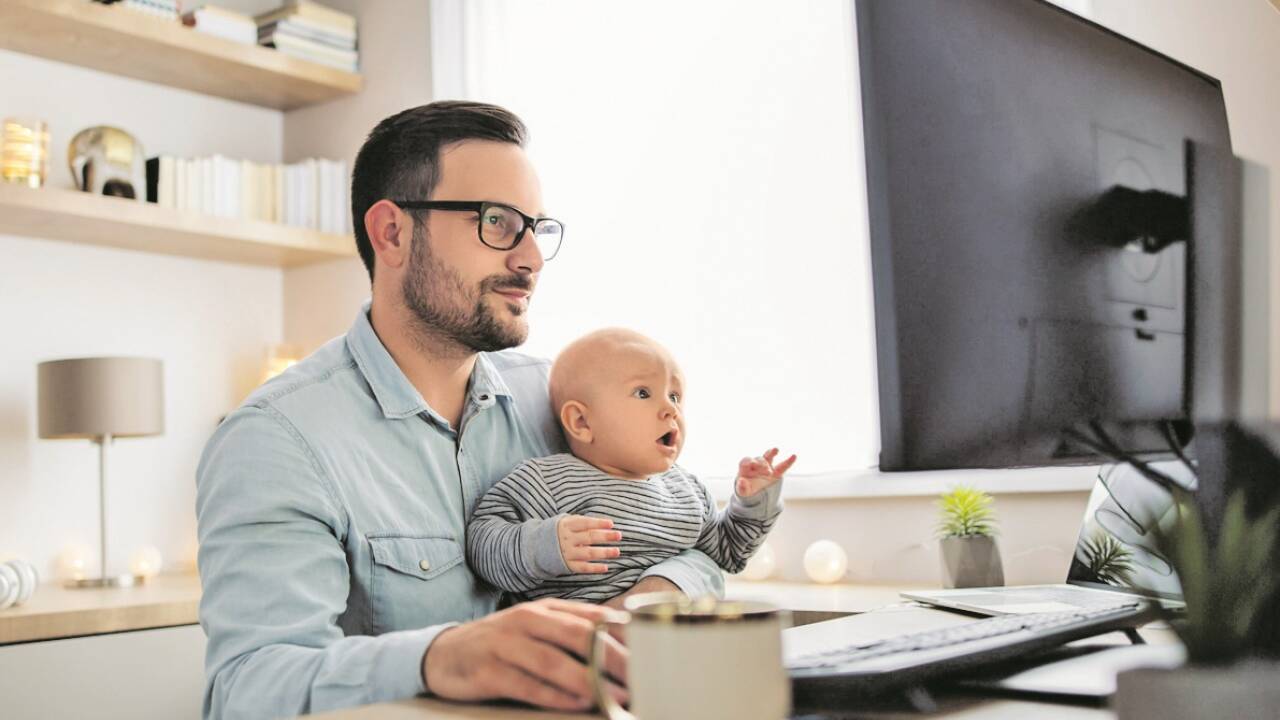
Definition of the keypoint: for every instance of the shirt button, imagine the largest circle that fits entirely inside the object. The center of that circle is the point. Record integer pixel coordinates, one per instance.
(484, 397)
(425, 564)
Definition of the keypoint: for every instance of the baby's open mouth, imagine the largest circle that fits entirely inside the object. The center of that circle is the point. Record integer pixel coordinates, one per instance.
(669, 439)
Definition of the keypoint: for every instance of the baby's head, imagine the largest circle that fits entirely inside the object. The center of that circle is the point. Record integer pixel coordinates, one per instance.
(618, 396)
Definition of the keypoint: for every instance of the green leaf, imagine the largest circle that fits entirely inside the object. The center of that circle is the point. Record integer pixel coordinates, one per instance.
(965, 512)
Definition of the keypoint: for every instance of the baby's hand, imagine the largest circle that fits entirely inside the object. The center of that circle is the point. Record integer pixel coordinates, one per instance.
(579, 534)
(756, 474)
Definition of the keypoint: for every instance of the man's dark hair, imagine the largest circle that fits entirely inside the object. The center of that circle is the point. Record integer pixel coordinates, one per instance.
(401, 157)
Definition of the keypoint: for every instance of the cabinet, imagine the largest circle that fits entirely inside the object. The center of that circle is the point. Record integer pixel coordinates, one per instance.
(104, 653)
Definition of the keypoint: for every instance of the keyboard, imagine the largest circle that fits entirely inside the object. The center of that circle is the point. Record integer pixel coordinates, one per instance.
(832, 677)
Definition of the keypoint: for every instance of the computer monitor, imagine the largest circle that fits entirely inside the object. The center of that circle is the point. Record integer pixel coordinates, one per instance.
(1004, 319)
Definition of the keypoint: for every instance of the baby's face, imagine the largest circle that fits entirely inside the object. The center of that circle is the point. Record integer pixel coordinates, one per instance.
(635, 413)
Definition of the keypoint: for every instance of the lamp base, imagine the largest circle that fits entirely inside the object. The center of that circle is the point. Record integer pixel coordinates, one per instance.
(115, 581)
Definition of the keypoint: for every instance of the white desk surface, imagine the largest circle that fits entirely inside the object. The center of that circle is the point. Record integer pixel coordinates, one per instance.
(799, 598)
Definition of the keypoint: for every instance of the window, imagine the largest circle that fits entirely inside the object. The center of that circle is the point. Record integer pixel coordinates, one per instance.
(706, 159)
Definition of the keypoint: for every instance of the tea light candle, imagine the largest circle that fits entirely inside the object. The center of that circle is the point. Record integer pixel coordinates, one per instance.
(825, 562)
(73, 561)
(146, 562)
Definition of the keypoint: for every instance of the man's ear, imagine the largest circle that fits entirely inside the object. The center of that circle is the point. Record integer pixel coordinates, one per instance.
(573, 418)
(390, 232)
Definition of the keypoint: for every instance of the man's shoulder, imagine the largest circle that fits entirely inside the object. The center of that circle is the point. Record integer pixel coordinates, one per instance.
(319, 377)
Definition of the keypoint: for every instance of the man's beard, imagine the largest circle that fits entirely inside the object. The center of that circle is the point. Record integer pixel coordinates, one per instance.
(438, 297)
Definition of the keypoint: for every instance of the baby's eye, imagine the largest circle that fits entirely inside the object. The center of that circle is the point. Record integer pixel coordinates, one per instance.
(675, 397)
(642, 393)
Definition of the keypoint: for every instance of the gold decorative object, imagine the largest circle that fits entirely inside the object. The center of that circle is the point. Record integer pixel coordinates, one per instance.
(108, 161)
(24, 151)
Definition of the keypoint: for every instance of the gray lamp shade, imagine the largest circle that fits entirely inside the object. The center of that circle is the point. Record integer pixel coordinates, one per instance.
(93, 397)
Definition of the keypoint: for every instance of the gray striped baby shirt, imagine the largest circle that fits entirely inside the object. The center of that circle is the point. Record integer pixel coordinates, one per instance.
(513, 544)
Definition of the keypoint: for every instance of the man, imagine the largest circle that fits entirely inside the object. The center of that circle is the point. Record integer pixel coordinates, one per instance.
(332, 504)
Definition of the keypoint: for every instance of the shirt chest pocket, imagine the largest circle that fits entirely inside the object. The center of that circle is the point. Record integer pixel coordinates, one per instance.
(405, 583)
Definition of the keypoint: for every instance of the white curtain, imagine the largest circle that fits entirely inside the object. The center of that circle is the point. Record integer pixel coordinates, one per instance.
(706, 159)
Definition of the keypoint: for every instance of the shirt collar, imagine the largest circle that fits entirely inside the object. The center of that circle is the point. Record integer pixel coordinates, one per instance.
(396, 396)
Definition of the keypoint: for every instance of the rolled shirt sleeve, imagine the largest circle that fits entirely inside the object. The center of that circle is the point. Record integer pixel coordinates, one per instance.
(693, 571)
(276, 578)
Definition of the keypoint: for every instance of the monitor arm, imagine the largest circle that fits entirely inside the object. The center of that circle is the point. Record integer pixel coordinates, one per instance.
(1147, 219)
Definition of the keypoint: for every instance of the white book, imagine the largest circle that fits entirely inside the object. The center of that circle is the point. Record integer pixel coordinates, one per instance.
(248, 190)
(180, 181)
(208, 188)
(344, 202)
(165, 182)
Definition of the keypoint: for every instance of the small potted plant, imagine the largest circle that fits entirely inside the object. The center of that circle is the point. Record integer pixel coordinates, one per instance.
(1229, 627)
(970, 556)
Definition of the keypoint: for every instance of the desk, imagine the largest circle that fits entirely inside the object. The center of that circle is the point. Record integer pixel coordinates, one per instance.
(805, 601)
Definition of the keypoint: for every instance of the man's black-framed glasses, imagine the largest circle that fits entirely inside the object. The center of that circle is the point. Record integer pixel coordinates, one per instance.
(501, 227)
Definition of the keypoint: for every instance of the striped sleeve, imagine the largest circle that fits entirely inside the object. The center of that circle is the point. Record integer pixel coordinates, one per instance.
(511, 538)
(732, 535)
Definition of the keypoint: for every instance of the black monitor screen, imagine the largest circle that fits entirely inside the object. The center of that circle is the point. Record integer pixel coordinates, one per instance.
(990, 125)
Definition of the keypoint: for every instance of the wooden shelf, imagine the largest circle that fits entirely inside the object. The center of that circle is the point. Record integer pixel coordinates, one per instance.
(79, 217)
(55, 611)
(124, 42)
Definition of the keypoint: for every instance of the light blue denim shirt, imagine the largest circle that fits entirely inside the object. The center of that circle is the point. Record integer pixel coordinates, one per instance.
(331, 509)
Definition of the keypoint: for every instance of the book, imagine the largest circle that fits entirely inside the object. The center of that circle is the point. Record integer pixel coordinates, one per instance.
(310, 50)
(301, 27)
(312, 11)
(225, 24)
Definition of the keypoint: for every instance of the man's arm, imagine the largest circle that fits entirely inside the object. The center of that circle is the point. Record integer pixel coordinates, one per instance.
(275, 579)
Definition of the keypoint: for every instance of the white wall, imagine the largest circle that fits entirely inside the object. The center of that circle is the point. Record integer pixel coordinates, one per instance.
(210, 322)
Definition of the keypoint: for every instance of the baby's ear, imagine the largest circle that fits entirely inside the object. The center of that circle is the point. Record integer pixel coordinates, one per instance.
(573, 418)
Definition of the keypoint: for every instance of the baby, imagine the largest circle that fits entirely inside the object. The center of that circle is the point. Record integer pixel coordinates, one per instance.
(546, 529)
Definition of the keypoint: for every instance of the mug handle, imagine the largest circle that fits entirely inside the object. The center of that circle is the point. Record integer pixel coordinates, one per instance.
(595, 673)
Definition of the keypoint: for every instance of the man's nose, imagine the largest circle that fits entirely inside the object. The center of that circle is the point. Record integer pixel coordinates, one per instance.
(525, 257)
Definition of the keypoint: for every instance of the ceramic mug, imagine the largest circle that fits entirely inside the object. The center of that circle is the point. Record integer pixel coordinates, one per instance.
(704, 658)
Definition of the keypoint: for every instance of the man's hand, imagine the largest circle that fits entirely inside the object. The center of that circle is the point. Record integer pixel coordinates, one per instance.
(579, 535)
(653, 583)
(532, 652)
(756, 474)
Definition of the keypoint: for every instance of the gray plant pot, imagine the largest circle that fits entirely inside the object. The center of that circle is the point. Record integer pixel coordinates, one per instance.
(971, 562)
(1244, 691)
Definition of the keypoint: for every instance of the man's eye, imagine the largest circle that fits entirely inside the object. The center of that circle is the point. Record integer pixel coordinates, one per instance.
(642, 393)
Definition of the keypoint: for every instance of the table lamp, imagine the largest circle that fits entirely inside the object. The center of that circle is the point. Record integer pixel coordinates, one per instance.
(101, 399)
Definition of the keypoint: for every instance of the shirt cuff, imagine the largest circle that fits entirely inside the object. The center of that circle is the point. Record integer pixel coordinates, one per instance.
(541, 541)
(761, 506)
(401, 660)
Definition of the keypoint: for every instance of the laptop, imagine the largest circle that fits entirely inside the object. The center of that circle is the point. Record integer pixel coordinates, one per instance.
(1115, 555)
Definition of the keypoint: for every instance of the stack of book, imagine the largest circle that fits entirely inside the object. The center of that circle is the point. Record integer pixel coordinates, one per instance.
(312, 193)
(310, 31)
(223, 23)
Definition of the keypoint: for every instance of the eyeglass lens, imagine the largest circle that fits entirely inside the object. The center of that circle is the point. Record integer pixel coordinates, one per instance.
(499, 227)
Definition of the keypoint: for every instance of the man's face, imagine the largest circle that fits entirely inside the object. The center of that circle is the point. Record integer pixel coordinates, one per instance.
(458, 287)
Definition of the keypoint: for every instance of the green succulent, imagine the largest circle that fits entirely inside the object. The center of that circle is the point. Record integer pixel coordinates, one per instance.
(1108, 560)
(966, 512)
(1229, 590)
